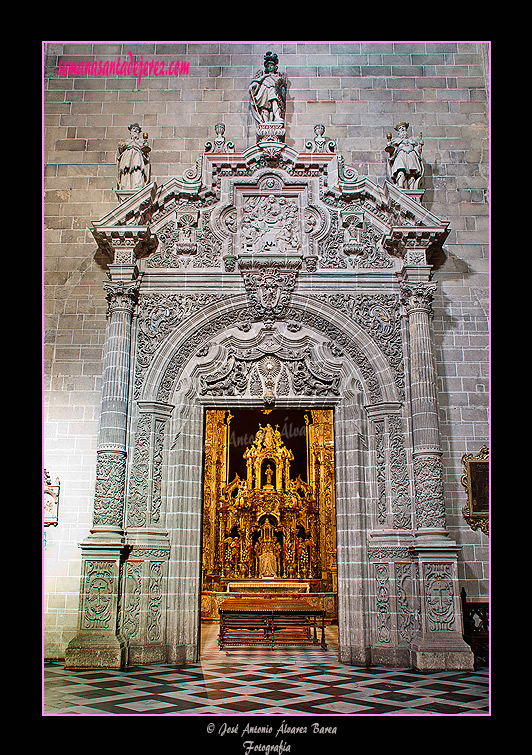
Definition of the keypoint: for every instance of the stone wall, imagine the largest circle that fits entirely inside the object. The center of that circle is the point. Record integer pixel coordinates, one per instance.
(359, 91)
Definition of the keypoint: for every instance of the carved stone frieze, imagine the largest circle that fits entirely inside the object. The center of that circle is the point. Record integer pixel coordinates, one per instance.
(158, 316)
(382, 600)
(408, 610)
(265, 372)
(400, 481)
(379, 316)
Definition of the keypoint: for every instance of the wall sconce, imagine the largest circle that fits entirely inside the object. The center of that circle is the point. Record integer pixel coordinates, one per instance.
(51, 501)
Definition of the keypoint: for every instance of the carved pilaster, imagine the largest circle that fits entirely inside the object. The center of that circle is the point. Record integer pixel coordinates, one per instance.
(144, 498)
(439, 645)
(396, 614)
(143, 611)
(98, 642)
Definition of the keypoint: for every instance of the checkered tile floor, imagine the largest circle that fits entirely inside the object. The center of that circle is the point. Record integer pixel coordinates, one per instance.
(237, 682)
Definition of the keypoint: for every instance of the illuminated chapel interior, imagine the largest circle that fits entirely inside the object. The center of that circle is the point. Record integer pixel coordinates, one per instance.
(269, 525)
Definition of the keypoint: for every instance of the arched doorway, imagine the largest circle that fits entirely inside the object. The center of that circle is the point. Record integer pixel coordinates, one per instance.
(321, 376)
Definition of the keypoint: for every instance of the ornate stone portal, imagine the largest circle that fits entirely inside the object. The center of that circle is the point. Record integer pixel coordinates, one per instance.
(262, 279)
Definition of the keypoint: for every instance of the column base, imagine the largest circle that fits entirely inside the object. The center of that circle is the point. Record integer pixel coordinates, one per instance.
(89, 650)
(441, 654)
(354, 656)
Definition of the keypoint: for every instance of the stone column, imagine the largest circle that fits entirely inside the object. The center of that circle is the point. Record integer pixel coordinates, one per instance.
(98, 642)
(439, 643)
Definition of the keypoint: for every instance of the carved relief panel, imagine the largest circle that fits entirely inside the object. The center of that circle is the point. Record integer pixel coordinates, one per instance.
(271, 214)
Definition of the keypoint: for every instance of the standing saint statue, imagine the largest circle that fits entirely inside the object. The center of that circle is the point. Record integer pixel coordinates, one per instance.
(267, 92)
(133, 158)
(404, 164)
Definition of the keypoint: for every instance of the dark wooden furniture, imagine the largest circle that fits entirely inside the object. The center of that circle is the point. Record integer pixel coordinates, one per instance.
(270, 623)
(476, 628)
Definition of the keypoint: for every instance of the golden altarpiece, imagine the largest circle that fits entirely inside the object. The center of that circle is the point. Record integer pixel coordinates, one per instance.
(270, 533)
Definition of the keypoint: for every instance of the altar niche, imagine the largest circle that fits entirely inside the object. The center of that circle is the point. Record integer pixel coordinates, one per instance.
(269, 520)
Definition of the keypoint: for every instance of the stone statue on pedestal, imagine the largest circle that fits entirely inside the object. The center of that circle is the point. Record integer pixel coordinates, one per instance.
(404, 164)
(268, 92)
(133, 159)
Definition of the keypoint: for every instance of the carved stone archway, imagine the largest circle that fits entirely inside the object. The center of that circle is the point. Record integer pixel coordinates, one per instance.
(287, 259)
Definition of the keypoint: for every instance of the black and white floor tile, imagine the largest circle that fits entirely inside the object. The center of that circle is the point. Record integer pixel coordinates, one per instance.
(241, 682)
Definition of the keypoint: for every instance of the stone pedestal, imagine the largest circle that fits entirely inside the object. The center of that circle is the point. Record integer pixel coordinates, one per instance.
(98, 643)
(439, 645)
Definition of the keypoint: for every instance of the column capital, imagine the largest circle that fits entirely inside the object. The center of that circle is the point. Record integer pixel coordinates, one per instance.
(416, 296)
(122, 295)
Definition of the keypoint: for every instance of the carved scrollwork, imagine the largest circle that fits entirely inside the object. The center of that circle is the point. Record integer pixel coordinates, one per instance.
(288, 372)
(430, 504)
(109, 490)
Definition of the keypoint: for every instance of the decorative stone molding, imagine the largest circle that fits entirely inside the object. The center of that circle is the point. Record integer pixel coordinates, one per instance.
(269, 372)
(417, 297)
(158, 316)
(124, 245)
(269, 285)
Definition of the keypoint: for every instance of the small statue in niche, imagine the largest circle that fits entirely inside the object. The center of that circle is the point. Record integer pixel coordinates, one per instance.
(268, 92)
(267, 563)
(133, 158)
(404, 164)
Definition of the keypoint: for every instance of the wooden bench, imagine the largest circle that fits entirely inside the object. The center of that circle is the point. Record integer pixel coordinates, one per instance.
(270, 623)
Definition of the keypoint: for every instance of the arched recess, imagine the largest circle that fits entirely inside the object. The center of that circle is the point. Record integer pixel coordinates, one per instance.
(366, 381)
